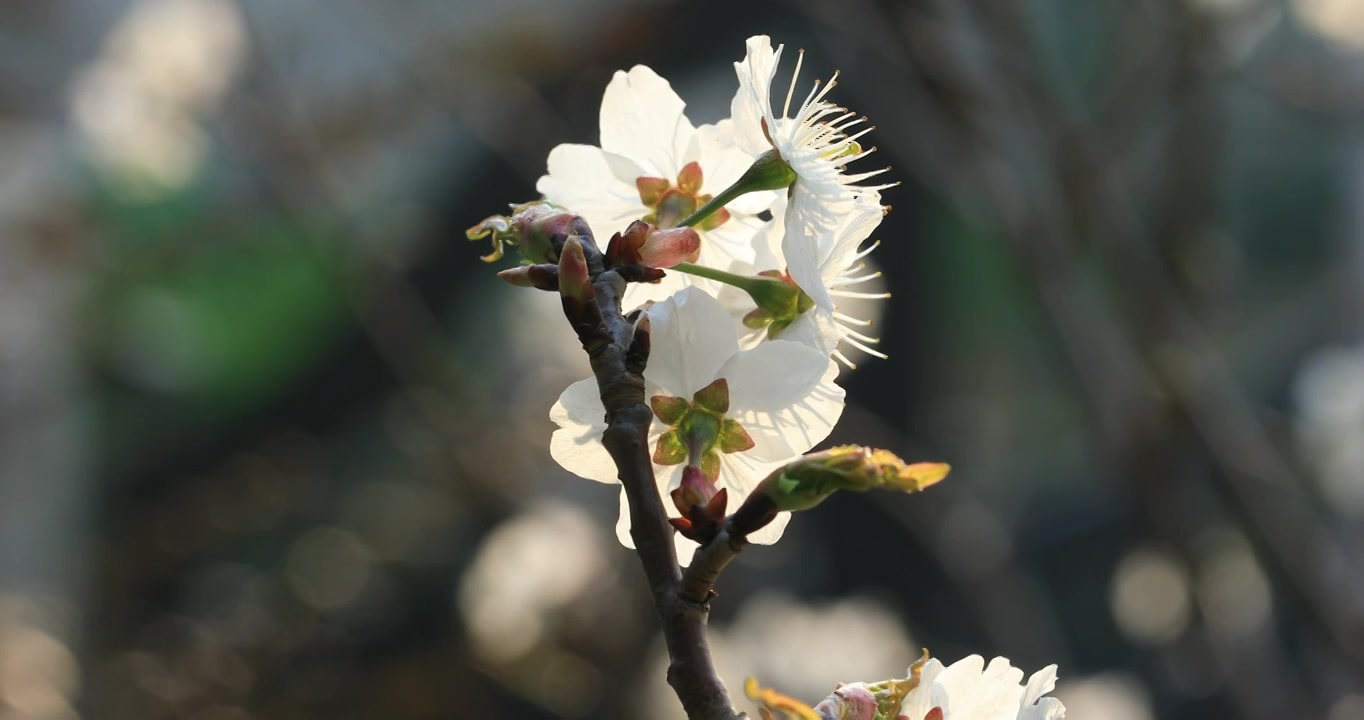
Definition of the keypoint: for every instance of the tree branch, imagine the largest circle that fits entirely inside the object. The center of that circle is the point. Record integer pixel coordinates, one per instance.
(618, 352)
(698, 582)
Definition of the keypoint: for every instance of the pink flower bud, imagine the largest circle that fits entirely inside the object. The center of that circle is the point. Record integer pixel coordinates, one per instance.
(648, 245)
(850, 702)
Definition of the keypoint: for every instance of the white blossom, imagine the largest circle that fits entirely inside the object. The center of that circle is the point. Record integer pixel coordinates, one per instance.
(970, 690)
(817, 141)
(827, 264)
(646, 134)
(781, 393)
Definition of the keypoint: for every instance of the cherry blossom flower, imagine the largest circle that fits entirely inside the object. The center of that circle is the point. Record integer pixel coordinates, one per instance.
(827, 265)
(738, 413)
(653, 164)
(970, 690)
(817, 141)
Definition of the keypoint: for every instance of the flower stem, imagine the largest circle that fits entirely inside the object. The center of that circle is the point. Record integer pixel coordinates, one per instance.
(768, 172)
(739, 281)
(716, 203)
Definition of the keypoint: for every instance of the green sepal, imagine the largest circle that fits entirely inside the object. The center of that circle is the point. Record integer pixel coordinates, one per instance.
(714, 397)
(734, 438)
(758, 319)
(670, 449)
(668, 409)
(710, 465)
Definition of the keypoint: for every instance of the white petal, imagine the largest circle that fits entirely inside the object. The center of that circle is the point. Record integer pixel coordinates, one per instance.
(642, 119)
(623, 522)
(1042, 682)
(815, 328)
(576, 445)
(686, 549)
(723, 162)
(784, 395)
(585, 179)
(921, 700)
(838, 249)
(767, 253)
(800, 249)
(752, 103)
(989, 694)
(730, 243)
(692, 338)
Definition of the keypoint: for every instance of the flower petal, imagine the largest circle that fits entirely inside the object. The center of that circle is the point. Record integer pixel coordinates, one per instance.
(753, 102)
(586, 180)
(800, 249)
(784, 395)
(642, 119)
(692, 337)
(724, 162)
(576, 445)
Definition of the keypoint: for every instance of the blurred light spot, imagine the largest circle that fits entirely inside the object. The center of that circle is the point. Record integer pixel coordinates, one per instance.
(1350, 707)
(1149, 597)
(803, 649)
(528, 568)
(1111, 696)
(1329, 397)
(137, 106)
(328, 568)
(1339, 22)
(979, 545)
(38, 674)
(1233, 591)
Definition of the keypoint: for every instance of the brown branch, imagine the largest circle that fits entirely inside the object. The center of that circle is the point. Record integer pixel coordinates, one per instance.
(618, 354)
(698, 582)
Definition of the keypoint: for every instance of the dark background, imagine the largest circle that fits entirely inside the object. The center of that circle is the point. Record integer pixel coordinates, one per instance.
(273, 442)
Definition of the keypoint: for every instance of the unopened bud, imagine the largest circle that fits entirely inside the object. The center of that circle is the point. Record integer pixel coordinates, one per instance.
(665, 248)
(849, 702)
(574, 281)
(701, 504)
(648, 245)
(537, 229)
(808, 481)
(540, 277)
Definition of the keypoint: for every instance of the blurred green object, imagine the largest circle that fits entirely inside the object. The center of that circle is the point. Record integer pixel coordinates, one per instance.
(198, 325)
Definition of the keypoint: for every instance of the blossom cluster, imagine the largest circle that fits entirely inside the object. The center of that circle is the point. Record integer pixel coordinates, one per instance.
(747, 335)
(968, 689)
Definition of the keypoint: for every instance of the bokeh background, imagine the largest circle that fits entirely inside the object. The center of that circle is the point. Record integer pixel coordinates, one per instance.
(273, 442)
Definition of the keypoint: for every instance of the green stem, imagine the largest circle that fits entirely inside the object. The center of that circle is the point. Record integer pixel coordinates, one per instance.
(742, 282)
(716, 203)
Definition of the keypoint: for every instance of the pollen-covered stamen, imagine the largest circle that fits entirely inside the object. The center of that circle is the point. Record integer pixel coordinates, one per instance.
(671, 201)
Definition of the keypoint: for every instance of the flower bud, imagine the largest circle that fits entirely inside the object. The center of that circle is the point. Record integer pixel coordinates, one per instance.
(540, 277)
(808, 481)
(849, 702)
(701, 504)
(574, 281)
(651, 246)
(665, 248)
(537, 229)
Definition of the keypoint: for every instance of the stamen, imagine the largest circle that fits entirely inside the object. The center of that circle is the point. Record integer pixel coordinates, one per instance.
(863, 253)
(858, 295)
(838, 354)
(864, 348)
(786, 109)
(860, 336)
(851, 320)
